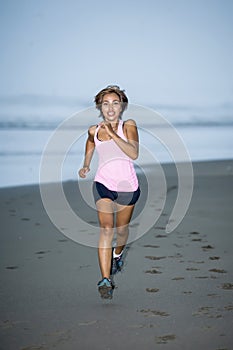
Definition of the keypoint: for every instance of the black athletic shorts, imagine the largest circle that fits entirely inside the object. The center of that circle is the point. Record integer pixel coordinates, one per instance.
(123, 198)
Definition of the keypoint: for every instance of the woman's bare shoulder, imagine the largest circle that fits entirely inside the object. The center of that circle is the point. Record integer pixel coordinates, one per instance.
(92, 129)
(130, 122)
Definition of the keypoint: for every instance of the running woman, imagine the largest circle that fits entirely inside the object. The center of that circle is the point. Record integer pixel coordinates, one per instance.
(115, 187)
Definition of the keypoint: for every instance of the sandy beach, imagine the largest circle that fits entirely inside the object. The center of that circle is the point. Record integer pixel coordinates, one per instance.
(176, 290)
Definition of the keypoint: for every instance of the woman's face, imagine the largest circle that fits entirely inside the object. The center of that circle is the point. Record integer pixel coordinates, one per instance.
(111, 107)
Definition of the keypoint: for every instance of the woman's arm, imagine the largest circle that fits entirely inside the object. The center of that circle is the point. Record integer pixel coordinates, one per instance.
(89, 150)
(129, 147)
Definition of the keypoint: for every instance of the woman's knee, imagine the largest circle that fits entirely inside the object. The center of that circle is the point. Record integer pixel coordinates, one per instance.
(106, 228)
(123, 230)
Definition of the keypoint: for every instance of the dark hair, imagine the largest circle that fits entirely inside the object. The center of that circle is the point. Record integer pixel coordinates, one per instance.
(110, 89)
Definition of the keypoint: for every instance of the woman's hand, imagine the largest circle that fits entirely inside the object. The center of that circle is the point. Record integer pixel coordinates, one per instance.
(83, 171)
(108, 127)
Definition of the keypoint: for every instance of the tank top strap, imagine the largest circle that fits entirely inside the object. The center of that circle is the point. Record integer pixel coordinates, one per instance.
(96, 132)
(121, 130)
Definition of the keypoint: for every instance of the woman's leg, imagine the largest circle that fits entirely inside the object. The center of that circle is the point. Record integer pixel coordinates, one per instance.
(105, 209)
(123, 217)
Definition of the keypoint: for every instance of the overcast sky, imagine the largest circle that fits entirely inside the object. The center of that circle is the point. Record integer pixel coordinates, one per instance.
(159, 51)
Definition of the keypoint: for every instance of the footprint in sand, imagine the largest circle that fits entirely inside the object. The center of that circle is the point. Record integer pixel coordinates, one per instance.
(11, 267)
(151, 313)
(160, 236)
(41, 253)
(152, 271)
(154, 257)
(176, 256)
(227, 286)
(152, 290)
(207, 311)
(213, 295)
(203, 310)
(165, 338)
(228, 307)
(207, 247)
(218, 270)
(196, 262)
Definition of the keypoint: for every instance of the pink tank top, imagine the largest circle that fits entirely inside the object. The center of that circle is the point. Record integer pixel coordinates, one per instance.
(115, 169)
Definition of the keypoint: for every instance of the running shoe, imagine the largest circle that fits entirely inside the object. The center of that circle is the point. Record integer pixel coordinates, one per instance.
(117, 263)
(105, 287)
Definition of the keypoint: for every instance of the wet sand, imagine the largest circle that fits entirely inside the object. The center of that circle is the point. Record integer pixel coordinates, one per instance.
(175, 292)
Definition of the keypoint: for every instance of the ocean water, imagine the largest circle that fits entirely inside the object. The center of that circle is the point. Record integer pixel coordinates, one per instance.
(27, 123)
